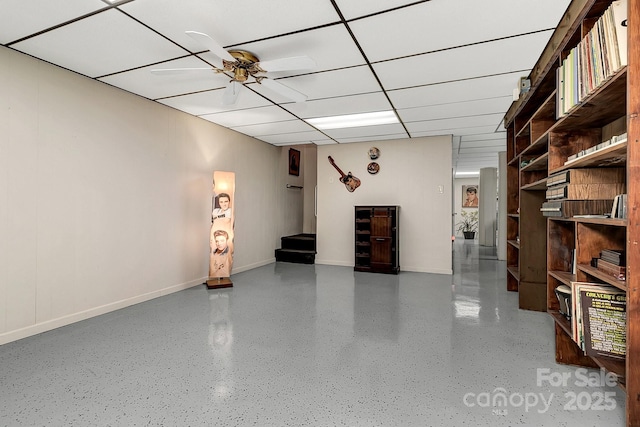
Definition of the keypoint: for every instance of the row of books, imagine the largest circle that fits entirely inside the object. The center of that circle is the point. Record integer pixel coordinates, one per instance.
(580, 192)
(598, 317)
(619, 208)
(599, 55)
(616, 140)
(614, 256)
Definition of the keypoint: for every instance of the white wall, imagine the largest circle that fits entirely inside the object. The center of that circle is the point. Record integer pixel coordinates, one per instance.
(458, 197)
(411, 175)
(105, 197)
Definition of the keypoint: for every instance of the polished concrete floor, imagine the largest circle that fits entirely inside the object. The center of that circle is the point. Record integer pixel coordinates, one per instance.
(311, 345)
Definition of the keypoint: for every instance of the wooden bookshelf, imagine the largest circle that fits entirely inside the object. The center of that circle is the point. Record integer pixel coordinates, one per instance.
(541, 141)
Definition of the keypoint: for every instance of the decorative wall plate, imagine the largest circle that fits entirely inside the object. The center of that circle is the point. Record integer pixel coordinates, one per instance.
(373, 168)
(374, 153)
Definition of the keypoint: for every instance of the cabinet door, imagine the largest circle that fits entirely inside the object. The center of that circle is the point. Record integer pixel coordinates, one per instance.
(382, 239)
(381, 255)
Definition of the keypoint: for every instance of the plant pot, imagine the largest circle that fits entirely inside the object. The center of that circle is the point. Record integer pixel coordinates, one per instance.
(469, 235)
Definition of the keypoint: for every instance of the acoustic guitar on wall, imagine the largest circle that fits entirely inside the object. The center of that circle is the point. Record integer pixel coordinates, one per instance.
(349, 181)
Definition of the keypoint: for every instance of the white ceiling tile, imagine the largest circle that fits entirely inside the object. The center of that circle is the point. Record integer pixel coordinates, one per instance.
(330, 47)
(231, 22)
(324, 142)
(454, 122)
(142, 82)
(368, 131)
(337, 106)
(503, 56)
(373, 138)
(450, 131)
(456, 109)
(456, 91)
(436, 25)
(100, 45)
(274, 128)
(354, 9)
(250, 116)
(348, 81)
(20, 18)
(211, 102)
(293, 138)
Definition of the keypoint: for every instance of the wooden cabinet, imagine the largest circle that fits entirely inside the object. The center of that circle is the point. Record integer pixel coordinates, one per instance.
(376, 239)
(545, 137)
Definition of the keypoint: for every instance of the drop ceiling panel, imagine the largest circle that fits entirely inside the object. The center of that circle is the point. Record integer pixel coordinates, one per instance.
(28, 17)
(455, 91)
(337, 106)
(211, 102)
(355, 9)
(143, 82)
(293, 138)
(331, 47)
(498, 136)
(349, 81)
(471, 61)
(274, 128)
(479, 150)
(452, 130)
(455, 122)
(373, 138)
(368, 131)
(231, 22)
(250, 116)
(100, 44)
(456, 109)
(435, 25)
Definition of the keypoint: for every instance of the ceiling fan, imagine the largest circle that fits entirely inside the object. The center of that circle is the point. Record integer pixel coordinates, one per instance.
(242, 65)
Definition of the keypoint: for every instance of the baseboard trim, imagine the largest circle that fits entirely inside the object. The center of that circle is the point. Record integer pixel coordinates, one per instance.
(52, 324)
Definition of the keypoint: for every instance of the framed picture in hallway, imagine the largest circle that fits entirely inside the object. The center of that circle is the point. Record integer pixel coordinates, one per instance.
(294, 162)
(470, 197)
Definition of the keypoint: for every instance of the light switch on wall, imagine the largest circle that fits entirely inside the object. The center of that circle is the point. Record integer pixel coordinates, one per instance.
(440, 189)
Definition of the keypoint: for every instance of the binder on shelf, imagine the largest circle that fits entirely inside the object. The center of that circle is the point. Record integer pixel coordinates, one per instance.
(571, 208)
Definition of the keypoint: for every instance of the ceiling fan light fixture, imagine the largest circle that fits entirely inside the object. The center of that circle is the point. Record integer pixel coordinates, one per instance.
(354, 120)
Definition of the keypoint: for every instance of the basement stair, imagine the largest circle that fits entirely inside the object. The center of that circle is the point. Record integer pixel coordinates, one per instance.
(298, 248)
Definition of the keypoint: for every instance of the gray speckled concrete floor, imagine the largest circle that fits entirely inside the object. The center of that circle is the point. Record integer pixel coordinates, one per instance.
(305, 345)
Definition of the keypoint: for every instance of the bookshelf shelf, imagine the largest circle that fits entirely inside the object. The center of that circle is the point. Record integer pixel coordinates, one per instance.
(594, 272)
(563, 277)
(540, 184)
(546, 135)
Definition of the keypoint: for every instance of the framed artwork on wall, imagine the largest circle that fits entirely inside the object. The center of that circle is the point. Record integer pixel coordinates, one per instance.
(294, 162)
(470, 197)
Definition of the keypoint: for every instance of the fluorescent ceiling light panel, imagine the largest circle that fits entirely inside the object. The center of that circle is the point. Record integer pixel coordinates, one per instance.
(468, 173)
(354, 120)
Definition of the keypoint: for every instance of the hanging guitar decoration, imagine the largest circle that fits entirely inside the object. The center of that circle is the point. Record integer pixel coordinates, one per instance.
(349, 181)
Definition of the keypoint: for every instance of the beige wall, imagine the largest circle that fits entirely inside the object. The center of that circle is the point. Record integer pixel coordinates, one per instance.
(105, 197)
(414, 174)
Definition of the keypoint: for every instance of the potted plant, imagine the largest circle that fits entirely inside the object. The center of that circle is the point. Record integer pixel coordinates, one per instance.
(469, 224)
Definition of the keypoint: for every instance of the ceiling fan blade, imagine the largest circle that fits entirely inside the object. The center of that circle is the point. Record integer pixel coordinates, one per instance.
(172, 71)
(230, 95)
(283, 90)
(286, 64)
(210, 44)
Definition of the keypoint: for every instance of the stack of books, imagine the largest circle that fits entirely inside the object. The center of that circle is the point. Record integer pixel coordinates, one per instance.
(588, 191)
(613, 263)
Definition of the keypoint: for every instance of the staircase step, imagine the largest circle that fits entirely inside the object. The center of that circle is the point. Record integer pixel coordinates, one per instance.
(302, 241)
(296, 256)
